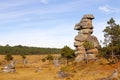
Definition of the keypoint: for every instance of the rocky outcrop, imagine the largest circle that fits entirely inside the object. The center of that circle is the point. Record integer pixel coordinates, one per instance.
(85, 30)
(10, 67)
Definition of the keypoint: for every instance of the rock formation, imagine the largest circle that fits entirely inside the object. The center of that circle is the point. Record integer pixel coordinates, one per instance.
(85, 30)
(10, 67)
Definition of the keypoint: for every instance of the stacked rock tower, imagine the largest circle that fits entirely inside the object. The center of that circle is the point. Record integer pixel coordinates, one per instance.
(85, 30)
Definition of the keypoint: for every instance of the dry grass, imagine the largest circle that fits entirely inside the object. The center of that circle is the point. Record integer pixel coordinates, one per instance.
(91, 71)
(28, 72)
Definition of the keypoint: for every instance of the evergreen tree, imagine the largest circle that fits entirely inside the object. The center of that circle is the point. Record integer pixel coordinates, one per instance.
(67, 53)
(112, 38)
(112, 33)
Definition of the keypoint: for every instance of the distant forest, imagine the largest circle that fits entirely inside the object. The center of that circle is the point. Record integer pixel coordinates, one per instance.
(19, 50)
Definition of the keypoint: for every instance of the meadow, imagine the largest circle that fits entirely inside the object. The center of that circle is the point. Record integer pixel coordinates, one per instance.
(91, 71)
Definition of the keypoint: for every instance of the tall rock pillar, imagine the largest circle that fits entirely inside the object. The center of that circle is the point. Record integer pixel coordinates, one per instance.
(85, 30)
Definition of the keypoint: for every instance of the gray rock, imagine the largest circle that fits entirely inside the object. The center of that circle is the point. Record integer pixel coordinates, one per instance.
(85, 23)
(82, 51)
(80, 38)
(62, 74)
(88, 16)
(94, 40)
(80, 48)
(85, 29)
(80, 57)
(92, 51)
(10, 67)
(77, 26)
(77, 43)
(56, 63)
(38, 69)
(113, 76)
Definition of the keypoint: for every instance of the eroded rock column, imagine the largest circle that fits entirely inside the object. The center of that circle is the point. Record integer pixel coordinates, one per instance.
(85, 30)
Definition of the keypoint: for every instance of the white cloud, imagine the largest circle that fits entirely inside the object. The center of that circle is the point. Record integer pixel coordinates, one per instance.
(52, 37)
(17, 3)
(12, 14)
(109, 9)
(105, 8)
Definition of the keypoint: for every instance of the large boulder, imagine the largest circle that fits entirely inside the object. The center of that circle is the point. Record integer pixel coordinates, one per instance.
(86, 31)
(92, 51)
(82, 51)
(77, 43)
(79, 57)
(80, 48)
(94, 40)
(10, 67)
(80, 38)
(85, 23)
(88, 16)
(77, 26)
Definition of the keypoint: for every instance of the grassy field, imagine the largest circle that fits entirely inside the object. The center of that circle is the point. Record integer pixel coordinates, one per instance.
(91, 71)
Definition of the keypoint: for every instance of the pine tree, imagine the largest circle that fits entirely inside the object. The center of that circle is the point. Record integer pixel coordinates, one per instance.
(112, 38)
(112, 33)
(67, 53)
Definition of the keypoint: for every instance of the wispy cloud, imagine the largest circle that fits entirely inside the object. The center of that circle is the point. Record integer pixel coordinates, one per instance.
(14, 3)
(12, 14)
(19, 3)
(109, 9)
(42, 38)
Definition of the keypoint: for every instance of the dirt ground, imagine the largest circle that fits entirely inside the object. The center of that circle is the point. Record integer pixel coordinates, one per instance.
(91, 71)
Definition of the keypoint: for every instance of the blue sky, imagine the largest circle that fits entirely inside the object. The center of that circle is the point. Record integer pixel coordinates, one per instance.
(50, 23)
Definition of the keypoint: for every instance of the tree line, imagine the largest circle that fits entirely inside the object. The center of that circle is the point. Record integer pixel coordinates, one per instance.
(20, 50)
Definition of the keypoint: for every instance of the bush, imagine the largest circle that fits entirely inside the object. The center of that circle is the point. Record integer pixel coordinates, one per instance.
(49, 57)
(43, 59)
(8, 57)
